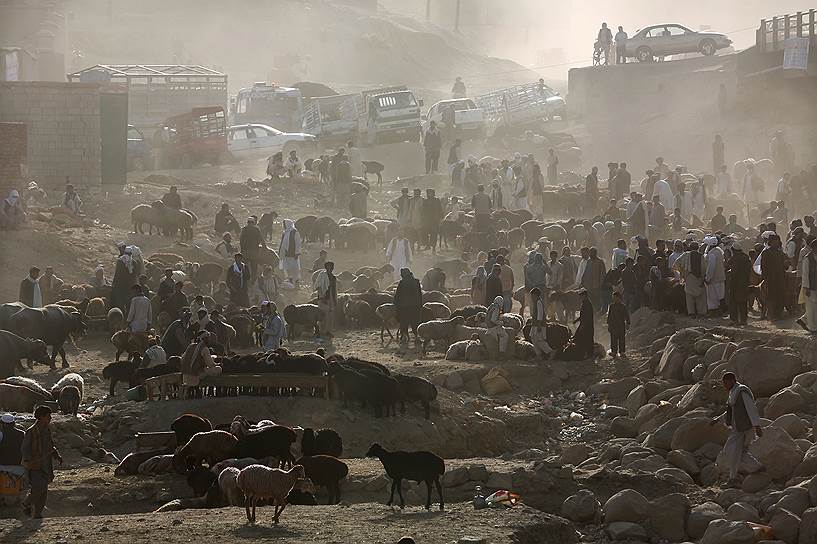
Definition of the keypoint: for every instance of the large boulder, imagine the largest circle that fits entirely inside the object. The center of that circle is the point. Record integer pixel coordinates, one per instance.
(721, 531)
(808, 527)
(694, 433)
(786, 401)
(786, 526)
(702, 395)
(661, 438)
(668, 516)
(575, 454)
(615, 389)
(766, 370)
(700, 516)
(720, 351)
(795, 500)
(778, 452)
(624, 530)
(792, 424)
(742, 511)
(627, 505)
(756, 482)
(623, 427)
(808, 466)
(581, 507)
(679, 346)
(636, 399)
(683, 460)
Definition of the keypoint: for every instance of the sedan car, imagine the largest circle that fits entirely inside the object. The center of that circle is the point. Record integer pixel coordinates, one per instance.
(669, 39)
(253, 140)
(138, 150)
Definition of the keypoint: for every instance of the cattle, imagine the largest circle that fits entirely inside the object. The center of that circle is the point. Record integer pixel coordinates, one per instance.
(51, 324)
(13, 348)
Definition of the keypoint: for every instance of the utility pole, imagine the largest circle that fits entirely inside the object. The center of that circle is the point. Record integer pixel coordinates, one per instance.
(457, 17)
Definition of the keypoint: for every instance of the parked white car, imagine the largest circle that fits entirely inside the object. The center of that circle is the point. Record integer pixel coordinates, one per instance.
(254, 140)
(670, 39)
(469, 119)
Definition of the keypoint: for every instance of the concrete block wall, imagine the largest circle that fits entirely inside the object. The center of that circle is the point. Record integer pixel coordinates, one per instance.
(13, 156)
(63, 129)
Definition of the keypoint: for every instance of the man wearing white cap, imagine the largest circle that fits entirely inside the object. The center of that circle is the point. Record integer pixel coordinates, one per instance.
(715, 274)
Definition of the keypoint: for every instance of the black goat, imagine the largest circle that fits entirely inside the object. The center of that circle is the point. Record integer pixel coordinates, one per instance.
(322, 442)
(417, 466)
(200, 480)
(326, 471)
(121, 371)
(414, 389)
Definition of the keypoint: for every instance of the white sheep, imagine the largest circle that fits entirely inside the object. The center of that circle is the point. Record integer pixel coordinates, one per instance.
(228, 483)
(244, 462)
(260, 482)
(72, 378)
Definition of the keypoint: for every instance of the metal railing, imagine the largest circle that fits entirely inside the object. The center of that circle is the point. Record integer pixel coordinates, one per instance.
(773, 33)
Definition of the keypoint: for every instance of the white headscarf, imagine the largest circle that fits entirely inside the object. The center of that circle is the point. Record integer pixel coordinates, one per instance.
(13, 198)
(127, 259)
(289, 229)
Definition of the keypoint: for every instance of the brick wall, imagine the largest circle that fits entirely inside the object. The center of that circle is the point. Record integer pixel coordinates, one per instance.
(63, 125)
(13, 140)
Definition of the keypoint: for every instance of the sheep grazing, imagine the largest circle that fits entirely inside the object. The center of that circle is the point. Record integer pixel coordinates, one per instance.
(322, 442)
(325, 471)
(228, 484)
(388, 319)
(186, 425)
(69, 392)
(302, 314)
(468, 311)
(438, 329)
(243, 463)
(367, 386)
(270, 440)
(303, 493)
(210, 446)
(258, 482)
(125, 341)
(417, 466)
(414, 389)
(435, 310)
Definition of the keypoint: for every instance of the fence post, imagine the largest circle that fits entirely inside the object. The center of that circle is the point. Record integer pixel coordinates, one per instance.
(760, 38)
(774, 33)
(786, 27)
(811, 14)
(799, 24)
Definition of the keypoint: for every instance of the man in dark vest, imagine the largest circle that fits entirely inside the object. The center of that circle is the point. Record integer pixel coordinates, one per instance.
(741, 415)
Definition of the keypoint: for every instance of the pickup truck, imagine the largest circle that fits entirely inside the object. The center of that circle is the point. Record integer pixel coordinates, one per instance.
(468, 122)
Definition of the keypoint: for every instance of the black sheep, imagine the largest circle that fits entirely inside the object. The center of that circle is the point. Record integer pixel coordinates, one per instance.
(121, 371)
(271, 441)
(326, 471)
(200, 480)
(186, 425)
(417, 466)
(322, 442)
(172, 366)
(414, 389)
(356, 363)
(308, 363)
(366, 386)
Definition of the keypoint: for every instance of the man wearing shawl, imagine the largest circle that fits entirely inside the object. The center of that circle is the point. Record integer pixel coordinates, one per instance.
(693, 270)
(140, 314)
(275, 329)
(290, 252)
(536, 272)
(538, 331)
(478, 286)
(741, 415)
(12, 214)
(399, 254)
(493, 322)
(715, 274)
(39, 452)
(197, 361)
(123, 279)
(238, 281)
(30, 293)
(408, 299)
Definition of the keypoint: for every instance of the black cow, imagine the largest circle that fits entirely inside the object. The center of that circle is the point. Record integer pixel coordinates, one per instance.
(13, 348)
(52, 324)
(6, 311)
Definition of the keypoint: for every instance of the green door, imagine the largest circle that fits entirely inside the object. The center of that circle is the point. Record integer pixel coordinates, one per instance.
(114, 132)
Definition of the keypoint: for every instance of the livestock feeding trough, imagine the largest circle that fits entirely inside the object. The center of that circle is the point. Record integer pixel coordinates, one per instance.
(162, 387)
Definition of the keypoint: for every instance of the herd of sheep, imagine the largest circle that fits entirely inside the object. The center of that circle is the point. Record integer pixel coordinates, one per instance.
(249, 464)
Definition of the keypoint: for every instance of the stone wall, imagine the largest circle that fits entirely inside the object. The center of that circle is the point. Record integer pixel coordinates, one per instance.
(13, 145)
(63, 126)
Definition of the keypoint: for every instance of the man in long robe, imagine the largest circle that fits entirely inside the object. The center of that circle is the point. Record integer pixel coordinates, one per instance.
(30, 291)
(399, 254)
(408, 301)
(692, 268)
(738, 276)
(808, 270)
(123, 279)
(290, 252)
(773, 272)
(715, 274)
(584, 336)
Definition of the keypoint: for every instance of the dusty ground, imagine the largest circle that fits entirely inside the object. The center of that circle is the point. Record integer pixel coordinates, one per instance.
(357, 523)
